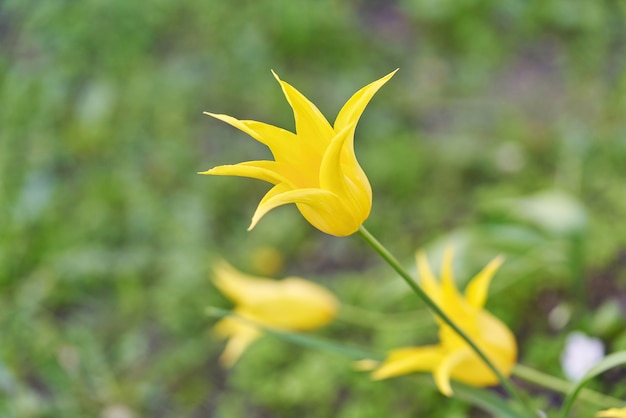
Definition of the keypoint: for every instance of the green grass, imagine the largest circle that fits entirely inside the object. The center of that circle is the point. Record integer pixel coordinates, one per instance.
(107, 232)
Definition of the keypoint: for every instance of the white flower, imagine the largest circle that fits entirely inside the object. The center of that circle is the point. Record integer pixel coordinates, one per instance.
(581, 353)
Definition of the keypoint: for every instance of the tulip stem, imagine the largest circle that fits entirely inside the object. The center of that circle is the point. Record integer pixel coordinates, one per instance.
(559, 385)
(391, 260)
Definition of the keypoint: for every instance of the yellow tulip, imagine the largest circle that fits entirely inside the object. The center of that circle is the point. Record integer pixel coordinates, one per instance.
(452, 358)
(292, 304)
(315, 168)
(612, 413)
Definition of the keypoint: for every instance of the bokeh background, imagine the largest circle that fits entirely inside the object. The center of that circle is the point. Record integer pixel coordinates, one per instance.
(504, 132)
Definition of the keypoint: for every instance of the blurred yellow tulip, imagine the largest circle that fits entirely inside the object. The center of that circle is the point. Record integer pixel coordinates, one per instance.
(292, 304)
(612, 413)
(315, 168)
(453, 358)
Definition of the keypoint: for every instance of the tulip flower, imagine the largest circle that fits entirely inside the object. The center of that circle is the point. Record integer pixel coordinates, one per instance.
(292, 304)
(315, 168)
(453, 358)
(612, 413)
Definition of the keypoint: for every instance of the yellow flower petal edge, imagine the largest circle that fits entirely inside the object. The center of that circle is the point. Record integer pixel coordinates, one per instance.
(315, 168)
(452, 358)
(291, 304)
(612, 413)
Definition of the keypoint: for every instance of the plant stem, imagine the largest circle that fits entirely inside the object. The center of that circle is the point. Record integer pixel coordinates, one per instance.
(391, 260)
(558, 385)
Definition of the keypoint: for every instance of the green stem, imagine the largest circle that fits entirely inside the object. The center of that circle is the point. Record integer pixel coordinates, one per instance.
(390, 259)
(558, 385)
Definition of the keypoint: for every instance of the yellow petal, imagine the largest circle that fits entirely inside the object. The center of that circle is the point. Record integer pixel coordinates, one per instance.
(478, 287)
(496, 341)
(331, 175)
(284, 145)
(272, 136)
(295, 305)
(241, 288)
(451, 301)
(352, 110)
(291, 196)
(240, 336)
(344, 179)
(365, 365)
(328, 214)
(275, 191)
(612, 413)
(321, 208)
(261, 170)
(310, 123)
(447, 280)
(239, 124)
(427, 278)
(445, 368)
(409, 360)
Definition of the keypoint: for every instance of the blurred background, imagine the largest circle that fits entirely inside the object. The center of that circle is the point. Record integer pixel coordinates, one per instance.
(504, 132)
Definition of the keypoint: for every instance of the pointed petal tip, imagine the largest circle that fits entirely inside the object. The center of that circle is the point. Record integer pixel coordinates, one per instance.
(365, 365)
(447, 390)
(442, 381)
(275, 75)
(376, 375)
(496, 263)
(253, 223)
(388, 76)
(211, 171)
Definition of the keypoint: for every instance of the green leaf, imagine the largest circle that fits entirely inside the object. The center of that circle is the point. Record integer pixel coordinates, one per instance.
(609, 362)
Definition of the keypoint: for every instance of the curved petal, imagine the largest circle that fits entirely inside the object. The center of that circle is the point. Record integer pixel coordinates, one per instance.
(321, 208)
(352, 110)
(451, 300)
(283, 144)
(294, 305)
(275, 191)
(447, 280)
(427, 278)
(331, 173)
(312, 197)
(444, 370)
(261, 170)
(409, 360)
(311, 125)
(343, 180)
(240, 336)
(477, 289)
(239, 124)
(330, 216)
(241, 288)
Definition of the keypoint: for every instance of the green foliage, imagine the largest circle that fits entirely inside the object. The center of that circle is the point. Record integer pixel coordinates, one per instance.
(107, 233)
